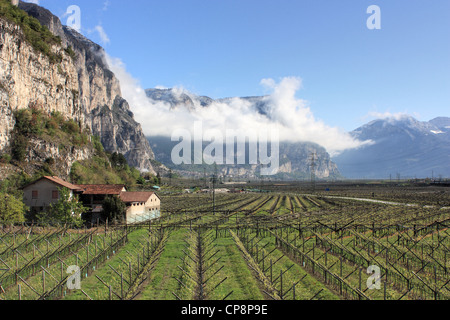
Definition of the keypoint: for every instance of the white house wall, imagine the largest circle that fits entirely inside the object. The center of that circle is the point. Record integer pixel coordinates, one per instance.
(140, 212)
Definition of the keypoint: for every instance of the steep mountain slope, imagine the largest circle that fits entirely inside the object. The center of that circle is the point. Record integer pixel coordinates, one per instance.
(74, 80)
(404, 147)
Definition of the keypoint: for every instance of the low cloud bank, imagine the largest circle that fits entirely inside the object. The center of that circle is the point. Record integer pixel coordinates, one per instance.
(290, 116)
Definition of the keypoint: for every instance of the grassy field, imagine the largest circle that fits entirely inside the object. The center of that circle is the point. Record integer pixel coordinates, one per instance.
(249, 246)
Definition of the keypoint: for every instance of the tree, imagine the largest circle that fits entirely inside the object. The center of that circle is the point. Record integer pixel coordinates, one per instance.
(68, 210)
(11, 209)
(118, 161)
(114, 208)
(141, 180)
(158, 178)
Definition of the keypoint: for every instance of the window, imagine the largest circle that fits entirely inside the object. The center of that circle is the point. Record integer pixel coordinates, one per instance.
(34, 194)
(55, 194)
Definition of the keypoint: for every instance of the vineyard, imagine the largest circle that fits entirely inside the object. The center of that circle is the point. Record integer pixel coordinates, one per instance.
(255, 246)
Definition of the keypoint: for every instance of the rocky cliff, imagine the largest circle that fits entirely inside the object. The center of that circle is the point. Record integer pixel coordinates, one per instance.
(295, 157)
(295, 162)
(80, 86)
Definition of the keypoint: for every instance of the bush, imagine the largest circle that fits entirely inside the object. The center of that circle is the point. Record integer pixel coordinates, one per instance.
(118, 161)
(23, 120)
(71, 53)
(13, 183)
(98, 146)
(71, 127)
(6, 158)
(19, 148)
(33, 122)
(12, 210)
(141, 180)
(114, 209)
(67, 210)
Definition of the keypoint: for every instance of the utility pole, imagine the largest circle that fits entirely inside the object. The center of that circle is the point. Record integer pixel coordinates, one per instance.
(214, 181)
(313, 165)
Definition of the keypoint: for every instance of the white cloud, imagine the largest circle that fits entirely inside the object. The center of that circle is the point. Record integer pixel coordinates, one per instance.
(32, 1)
(388, 115)
(103, 36)
(292, 117)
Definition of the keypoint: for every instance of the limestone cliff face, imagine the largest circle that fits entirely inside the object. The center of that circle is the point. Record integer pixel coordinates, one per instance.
(121, 132)
(7, 121)
(81, 87)
(29, 78)
(296, 158)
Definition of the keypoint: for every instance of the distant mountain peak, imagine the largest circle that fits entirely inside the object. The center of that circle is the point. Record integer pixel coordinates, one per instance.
(401, 145)
(181, 98)
(443, 123)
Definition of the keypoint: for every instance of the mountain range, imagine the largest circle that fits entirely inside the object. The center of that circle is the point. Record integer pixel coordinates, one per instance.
(295, 158)
(70, 75)
(402, 147)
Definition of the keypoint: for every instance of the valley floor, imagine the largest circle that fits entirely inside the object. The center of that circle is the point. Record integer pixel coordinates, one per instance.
(286, 244)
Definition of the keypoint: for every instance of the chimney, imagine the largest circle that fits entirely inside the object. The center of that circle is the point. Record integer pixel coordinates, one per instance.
(15, 2)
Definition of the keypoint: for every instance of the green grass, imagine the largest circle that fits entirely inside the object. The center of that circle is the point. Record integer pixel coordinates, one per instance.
(94, 288)
(161, 282)
(308, 286)
(240, 279)
(56, 269)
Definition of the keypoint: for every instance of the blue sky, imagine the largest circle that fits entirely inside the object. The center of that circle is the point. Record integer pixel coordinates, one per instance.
(225, 48)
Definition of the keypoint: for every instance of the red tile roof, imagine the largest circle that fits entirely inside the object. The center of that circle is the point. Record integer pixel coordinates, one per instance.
(102, 189)
(129, 197)
(57, 181)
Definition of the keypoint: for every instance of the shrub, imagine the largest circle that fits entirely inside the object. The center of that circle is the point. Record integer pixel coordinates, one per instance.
(51, 125)
(19, 148)
(6, 158)
(98, 146)
(12, 210)
(114, 209)
(71, 53)
(23, 120)
(71, 127)
(67, 210)
(118, 161)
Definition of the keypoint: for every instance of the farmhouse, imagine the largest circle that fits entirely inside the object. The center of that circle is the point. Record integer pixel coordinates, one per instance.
(92, 196)
(141, 206)
(40, 194)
